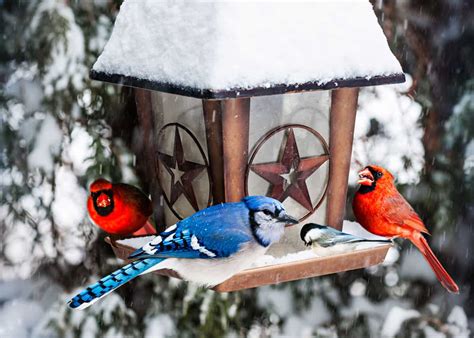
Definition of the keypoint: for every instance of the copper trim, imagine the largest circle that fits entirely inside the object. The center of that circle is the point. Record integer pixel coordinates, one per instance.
(341, 125)
(220, 94)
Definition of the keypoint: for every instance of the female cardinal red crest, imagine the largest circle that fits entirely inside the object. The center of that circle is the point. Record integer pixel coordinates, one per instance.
(382, 210)
(118, 209)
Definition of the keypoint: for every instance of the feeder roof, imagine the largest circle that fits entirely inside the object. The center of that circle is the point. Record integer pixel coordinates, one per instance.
(222, 49)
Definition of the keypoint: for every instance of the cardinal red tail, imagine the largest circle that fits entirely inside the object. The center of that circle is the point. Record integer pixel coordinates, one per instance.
(442, 275)
(147, 229)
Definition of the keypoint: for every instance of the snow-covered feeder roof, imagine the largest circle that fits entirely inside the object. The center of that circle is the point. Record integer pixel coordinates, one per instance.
(222, 49)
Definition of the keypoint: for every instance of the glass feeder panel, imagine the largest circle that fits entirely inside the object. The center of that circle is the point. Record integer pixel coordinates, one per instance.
(182, 155)
(291, 130)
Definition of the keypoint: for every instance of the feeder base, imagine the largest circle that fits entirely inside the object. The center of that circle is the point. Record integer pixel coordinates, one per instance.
(285, 272)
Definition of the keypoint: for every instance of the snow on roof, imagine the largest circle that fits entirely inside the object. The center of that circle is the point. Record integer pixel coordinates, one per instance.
(222, 45)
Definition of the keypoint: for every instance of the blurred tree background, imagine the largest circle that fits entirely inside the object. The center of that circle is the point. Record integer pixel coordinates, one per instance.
(59, 131)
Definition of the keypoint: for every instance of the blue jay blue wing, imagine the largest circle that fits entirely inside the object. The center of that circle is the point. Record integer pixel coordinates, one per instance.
(215, 232)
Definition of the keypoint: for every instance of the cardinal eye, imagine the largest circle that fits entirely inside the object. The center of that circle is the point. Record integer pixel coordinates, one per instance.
(379, 174)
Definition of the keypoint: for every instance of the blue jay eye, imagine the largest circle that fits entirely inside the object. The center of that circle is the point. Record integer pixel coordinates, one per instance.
(267, 212)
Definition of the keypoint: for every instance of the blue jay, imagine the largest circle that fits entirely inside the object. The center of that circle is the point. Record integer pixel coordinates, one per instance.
(207, 248)
(326, 241)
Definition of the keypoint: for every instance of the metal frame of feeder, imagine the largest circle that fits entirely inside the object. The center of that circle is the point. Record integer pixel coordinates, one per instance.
(226, 120)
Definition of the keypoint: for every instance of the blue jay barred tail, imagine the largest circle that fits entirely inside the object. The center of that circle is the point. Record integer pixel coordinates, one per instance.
(111, 282)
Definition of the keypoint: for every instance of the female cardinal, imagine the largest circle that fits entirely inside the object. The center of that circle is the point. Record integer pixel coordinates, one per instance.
(119, 209)
(380, 209)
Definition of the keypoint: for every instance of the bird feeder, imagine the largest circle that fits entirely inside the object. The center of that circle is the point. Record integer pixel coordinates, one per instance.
(260, 98)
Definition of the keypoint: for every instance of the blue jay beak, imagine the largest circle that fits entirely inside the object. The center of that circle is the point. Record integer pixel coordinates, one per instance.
(289, 220)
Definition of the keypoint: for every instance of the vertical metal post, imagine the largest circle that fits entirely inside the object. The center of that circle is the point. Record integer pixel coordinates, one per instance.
(227, 132)
(146, 124)
(342, 121)
(235, 132)
(213, 123)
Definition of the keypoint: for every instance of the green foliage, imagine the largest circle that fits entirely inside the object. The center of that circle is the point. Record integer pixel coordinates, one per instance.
(34, 41)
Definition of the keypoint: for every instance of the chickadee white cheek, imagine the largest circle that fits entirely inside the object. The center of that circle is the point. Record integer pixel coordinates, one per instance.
(313, 235)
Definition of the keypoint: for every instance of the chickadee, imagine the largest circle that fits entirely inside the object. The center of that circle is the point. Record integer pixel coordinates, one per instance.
(326, 241)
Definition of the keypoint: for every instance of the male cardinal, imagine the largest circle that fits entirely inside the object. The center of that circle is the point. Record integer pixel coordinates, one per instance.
(119, 209)
(382, 210)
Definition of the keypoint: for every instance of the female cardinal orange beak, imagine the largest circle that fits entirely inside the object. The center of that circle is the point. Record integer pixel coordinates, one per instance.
(103, 200)
(365, 177)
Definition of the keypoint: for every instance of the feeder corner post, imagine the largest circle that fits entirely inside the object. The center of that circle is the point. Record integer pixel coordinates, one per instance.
(227, 134)
(146, 122)
(341, 134)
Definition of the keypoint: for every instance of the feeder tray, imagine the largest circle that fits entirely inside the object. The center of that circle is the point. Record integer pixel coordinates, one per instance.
(285, 272)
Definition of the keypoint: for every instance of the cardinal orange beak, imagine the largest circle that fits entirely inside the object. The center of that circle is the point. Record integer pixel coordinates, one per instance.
(103, 200)
(365, 177)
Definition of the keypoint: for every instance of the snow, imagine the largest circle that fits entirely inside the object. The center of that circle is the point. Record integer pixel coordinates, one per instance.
(356, 229)
(459, 322)
(457, 127)
(70, 196)
(395, 319)
(388, 132)
(68, 52)
(432, 333)
(266, 260)
(18, 317)
(47, 145)
(223, 44)
(80, 151)
(160, 326)
(414, 266)
(205, 306)
(291, 257)
(22, 306)
(282, 303)
(136, 242)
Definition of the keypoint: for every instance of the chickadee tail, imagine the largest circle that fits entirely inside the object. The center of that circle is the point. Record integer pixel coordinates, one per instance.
(109, 283)
(373, 241)
(442, 275)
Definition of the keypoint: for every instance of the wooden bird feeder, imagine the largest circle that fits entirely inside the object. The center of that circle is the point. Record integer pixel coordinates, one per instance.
(232, 103)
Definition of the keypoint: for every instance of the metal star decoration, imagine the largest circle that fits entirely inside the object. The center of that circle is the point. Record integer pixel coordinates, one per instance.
(287, 176)
(182, 172)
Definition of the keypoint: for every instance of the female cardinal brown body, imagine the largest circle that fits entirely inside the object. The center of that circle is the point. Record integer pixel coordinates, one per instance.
(382, 210)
